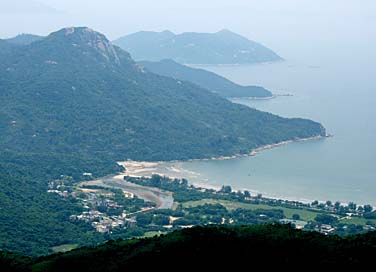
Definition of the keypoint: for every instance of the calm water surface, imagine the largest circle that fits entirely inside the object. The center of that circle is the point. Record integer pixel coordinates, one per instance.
(342, 96)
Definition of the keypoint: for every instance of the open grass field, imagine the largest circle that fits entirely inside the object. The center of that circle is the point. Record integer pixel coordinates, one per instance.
(357, 221)
(64, 248)
(152, 234)
(305, 215)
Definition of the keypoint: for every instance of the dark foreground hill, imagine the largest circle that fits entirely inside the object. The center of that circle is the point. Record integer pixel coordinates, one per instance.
(222, 47)
(74, 103)
(215, 247)
(204, 79)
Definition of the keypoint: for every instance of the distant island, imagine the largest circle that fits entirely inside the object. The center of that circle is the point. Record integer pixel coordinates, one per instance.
(205, 79)
(223, 47)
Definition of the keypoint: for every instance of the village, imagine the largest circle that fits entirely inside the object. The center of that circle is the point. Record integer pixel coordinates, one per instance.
(99, 205)
(111, 209)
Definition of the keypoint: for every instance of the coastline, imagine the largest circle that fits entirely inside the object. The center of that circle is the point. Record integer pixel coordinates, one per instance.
(257, 150)
(253, 152)
(172, 170)
(274, 95)
(234, 98)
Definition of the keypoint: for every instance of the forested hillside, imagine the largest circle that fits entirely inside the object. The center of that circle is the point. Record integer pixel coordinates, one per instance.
(73, 103)
(204, 79)
(213, 247)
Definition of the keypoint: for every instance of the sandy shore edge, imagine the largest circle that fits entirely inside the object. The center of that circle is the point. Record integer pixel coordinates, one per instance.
(171, 170)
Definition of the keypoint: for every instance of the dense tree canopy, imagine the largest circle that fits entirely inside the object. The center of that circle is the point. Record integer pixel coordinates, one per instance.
(214, 247)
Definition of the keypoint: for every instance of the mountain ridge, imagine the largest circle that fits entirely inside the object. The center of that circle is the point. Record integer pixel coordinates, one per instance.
(24, 39)
(91, 54)
(205, 79)
(74, 103)
(222, 47)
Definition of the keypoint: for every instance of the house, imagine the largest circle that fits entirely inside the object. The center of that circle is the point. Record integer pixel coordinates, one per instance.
(101, 228)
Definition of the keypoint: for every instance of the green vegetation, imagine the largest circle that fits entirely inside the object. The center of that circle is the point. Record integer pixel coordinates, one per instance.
(59, 101)
(358, 221)
(152, 234)
(33, 221)
(213, 247)
(64, 248)
(205, 79)
(200, 206)
(288, 212)
(24, 39)
(223, 47)
(72, 103)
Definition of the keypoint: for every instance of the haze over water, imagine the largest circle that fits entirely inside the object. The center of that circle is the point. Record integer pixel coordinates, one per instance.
(342, 96)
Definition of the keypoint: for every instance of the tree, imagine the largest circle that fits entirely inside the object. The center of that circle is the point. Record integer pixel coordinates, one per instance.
(144, 218)
(314, 203)
(296, 216)
(161, 219)
(351, 206)
(329, 203)
(337, 205)
(325, 219)
(367, 208)
(247, 193)
(240, 194)
(226, 189)
(184, 182)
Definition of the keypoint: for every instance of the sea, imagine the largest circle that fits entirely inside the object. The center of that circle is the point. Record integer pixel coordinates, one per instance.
(339, 94)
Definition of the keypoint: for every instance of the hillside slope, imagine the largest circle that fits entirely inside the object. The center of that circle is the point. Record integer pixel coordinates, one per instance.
(74, 103)
(74, 92)
(217, 247)
(24, 39)
(204, 79)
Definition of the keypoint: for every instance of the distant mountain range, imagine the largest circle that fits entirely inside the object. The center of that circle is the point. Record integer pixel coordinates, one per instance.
(73, 103)
(205, 79)
(223, 47)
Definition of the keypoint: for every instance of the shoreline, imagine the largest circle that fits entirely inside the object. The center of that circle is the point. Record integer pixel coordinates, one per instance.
(253, 152)
(259, 149)
(234, 98)
(170, 169)
(273, 96)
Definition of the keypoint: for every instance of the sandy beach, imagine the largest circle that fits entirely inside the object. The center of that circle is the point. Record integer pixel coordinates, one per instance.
(174, 169)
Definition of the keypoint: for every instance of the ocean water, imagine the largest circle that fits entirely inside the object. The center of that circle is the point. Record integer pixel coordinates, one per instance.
(342, 96)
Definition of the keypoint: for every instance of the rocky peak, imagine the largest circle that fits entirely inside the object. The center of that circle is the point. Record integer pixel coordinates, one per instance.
(86, 37)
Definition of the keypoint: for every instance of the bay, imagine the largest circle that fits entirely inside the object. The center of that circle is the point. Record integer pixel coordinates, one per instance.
(342, 96)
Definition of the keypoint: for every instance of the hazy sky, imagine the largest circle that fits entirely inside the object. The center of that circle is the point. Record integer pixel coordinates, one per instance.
(290, 27)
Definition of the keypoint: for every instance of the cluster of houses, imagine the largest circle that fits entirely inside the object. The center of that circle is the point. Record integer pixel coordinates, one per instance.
(62, 187)
(104, 223)
(91, 200)
(101, 221)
